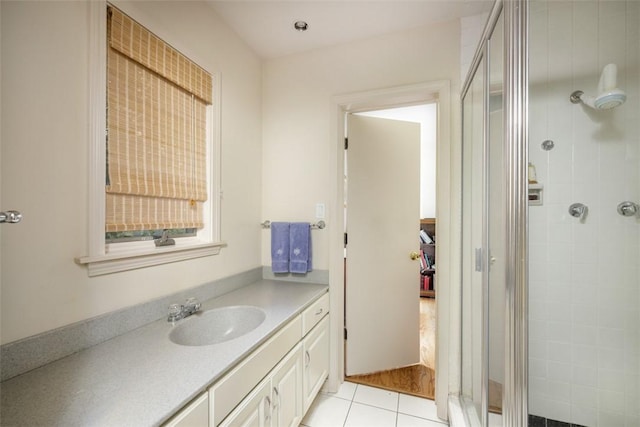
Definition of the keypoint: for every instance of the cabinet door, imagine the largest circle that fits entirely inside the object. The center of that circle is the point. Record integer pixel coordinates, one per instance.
(316, 361)
(195, 414)
(286, 390)
(254, 410)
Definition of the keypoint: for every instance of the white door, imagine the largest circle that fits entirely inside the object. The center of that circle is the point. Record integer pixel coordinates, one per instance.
(382, 281)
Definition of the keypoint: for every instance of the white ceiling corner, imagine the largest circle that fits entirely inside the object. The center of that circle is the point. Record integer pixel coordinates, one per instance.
(267, 26)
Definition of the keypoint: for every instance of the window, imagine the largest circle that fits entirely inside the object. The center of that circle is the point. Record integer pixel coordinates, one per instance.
(160, 156)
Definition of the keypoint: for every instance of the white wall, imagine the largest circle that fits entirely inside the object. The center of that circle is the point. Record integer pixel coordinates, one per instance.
(471, 28)
(584, 340)
(45, 161)
(297, 132)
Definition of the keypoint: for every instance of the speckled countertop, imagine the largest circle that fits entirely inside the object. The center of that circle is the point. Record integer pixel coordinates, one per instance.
(141, 378)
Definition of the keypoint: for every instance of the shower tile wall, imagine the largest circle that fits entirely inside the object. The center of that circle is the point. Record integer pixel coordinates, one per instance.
(584, 312)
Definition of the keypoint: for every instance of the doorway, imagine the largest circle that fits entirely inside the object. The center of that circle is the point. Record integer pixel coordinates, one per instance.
(390, 176)
(447, 212)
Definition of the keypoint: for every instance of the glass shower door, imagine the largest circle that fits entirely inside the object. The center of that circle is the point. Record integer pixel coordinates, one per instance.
(495, 217)
(472, 236)
(483, 259)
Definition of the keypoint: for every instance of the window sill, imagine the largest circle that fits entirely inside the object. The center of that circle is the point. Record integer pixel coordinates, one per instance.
(133, 259)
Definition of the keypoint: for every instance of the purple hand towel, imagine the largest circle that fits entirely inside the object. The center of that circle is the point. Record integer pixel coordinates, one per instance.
(280, 247)
(300, 247)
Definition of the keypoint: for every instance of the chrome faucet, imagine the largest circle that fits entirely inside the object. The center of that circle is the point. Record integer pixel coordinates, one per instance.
(178, 311)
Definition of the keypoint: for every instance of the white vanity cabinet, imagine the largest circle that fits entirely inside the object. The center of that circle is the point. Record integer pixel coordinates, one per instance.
(276, 401)
(289, 370)
(316, 361)
(286, 390)
(195, 414)
(254, 410)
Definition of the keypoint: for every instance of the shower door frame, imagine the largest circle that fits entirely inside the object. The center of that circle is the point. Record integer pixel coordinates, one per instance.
(515, 144)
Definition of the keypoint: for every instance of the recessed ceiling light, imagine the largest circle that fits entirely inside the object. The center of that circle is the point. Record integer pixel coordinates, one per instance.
(301, 26)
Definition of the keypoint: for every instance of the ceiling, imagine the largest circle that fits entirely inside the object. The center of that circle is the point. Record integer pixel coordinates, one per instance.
(267, 26)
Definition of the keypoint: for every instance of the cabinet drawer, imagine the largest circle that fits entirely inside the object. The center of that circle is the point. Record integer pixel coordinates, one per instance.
(314, 313)
(230, 390)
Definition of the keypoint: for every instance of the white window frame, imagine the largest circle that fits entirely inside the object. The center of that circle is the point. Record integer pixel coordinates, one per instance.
(106, 258)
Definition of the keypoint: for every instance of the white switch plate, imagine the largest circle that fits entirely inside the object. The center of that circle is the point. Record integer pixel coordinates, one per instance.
(319, 210)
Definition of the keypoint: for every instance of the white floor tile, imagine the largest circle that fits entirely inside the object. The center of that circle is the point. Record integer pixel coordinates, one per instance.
(495, 420)
(376, 397)
(409, 421)
(345, 391)
(418, 407)
(368, 416)
(357, 405)
(327, 411)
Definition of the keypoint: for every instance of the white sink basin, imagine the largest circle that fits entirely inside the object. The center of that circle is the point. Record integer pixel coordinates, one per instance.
(217, 325)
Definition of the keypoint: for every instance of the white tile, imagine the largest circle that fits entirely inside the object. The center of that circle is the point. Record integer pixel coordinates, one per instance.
(584, 356)
(345, 391)
(585, 376)
(584, 415)
(559, 391)
(611, 401)
(417, 407)
(409, 421)
(559, 331)
(560, 372)
(376, 397)
(585, 335)
(559, 352)
(612, 380)
(368, 416)
(495, 420)
(327, 411)
(584, 396)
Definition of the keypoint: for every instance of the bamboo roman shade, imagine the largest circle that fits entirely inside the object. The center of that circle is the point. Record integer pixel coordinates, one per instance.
(156, 119)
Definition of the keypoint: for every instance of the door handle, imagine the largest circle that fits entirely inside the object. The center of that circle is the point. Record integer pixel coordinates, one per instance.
(414, 255)
(10, 217)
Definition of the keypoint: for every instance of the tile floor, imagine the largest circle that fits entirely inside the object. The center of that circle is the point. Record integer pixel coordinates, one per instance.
(357, 405)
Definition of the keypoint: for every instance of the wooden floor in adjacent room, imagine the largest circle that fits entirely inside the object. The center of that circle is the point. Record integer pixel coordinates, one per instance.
(419, 379)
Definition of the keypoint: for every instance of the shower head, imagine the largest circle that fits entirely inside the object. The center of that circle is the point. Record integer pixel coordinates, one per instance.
(609, 96)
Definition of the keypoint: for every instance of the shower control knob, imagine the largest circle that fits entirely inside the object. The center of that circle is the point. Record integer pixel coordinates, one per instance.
(578, 210)
(628, 209)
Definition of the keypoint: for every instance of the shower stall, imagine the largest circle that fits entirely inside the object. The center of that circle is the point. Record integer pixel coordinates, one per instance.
(551, 216)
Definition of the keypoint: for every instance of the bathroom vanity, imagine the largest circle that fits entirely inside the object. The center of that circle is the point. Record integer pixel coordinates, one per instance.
(271, 386)
(268, 376)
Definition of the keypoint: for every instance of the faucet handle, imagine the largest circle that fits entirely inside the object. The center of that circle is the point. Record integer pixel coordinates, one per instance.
(175, 312)
(192, 303)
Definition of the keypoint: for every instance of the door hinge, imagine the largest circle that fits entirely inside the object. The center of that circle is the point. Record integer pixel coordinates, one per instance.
(346, 143)
(345, 333)
(345, 239)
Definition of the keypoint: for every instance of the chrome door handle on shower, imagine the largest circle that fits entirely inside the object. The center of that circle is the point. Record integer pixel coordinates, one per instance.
(11, 217)
(628, 208)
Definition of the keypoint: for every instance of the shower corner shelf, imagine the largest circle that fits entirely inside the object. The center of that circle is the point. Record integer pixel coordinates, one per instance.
(535, 194)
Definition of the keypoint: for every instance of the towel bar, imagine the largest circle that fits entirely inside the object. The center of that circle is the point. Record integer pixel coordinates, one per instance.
(318, 225)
